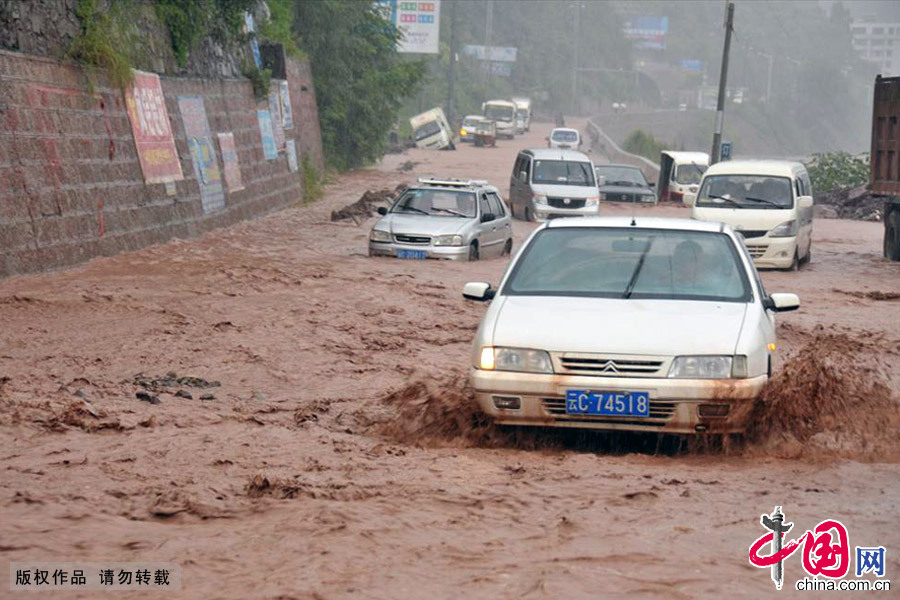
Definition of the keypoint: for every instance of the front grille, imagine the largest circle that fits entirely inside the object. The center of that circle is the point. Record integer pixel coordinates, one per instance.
(660, 413)
(752, 233)
(561, 202)
(605, 366)
(621, 197)
(757, 251)
(420, 240)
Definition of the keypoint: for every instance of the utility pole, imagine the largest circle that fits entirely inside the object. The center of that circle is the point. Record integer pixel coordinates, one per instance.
(723, 80)
(488, 26)
(451, 77)
(575, 59)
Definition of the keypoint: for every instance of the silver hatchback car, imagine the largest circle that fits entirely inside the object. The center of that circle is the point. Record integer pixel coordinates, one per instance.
(452, 219)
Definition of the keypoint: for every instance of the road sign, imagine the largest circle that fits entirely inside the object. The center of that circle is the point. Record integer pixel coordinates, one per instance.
(725, 153)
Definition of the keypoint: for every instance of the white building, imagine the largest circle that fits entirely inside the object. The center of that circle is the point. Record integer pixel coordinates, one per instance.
(878, 41)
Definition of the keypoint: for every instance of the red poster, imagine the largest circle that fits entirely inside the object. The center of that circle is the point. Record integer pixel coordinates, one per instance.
(152, 130)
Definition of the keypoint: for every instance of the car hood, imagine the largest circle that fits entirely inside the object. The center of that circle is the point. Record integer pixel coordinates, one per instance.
(421, 224)
(600, 325)
(564, 191)
(624, 189)
(744, 218)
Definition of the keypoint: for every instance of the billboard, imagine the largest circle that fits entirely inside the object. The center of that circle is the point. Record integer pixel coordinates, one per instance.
(492, 53)
(230, 162)
(152, 132)
(418, 21)
(268, 136)
(203, 153)
(647, 32)
(287, 112)
(692, 66)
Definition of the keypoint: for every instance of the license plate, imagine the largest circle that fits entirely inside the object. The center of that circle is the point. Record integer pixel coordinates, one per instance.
(586, 402)
(413, 254)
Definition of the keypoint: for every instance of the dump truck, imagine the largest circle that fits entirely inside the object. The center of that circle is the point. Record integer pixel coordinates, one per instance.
(884, 160)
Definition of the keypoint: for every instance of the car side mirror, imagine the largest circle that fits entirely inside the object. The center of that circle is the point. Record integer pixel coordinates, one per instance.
(523, 175)
(488, 217)
(382, 210)
(651, 184)
(782, 302)
(689, 199)
(601, 180)
(806, 202)
(478, 291)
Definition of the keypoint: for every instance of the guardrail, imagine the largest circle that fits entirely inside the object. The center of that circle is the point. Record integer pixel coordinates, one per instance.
(616, 154)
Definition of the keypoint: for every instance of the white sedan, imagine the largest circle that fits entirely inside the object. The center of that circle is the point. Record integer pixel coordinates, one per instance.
(642, 324)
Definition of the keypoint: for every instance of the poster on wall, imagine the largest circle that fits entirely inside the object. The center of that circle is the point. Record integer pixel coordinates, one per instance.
(275, 112)
(287, 112)
(152, 132)
(418, 21)
(203, 153)
(291, 147)
(232, 169)
(267, 135)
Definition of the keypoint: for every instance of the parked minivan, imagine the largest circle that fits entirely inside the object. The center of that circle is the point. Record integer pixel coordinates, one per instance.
(769, 202)
(679, 175)
(549, 183)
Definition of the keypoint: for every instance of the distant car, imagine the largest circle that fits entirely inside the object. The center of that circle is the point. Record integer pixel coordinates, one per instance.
(564, 138)
(549, 184)
(623, 183)
(467, 128)
(614, 323)
(450, 219)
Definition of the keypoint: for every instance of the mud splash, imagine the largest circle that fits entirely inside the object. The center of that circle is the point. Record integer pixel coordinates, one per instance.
(829, 400)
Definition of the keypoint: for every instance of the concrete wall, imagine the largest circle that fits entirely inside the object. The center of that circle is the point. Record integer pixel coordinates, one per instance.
(71, 186)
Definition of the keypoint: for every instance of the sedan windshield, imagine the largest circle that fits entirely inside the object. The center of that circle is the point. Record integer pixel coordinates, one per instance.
(630, 263)
(499, 113)
(746, 191)
(563, 135)
(470, 122)
(624, 176)
(444, 203)
(563, 172)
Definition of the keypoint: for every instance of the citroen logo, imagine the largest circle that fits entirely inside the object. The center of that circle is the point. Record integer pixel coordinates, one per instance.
(609, 367)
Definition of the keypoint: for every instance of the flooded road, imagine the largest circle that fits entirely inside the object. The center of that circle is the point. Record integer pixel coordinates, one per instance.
(286, 474)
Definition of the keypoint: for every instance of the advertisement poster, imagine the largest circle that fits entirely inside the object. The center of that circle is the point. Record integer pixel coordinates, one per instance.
(203, 153)
(648, 33)
(292, 155)
(275, 113)
(267, 135)
(152, 132)
(287, 112)
(419, 22)
(232, 170)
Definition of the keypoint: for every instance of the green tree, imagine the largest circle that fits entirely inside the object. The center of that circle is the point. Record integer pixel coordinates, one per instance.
(360, 78)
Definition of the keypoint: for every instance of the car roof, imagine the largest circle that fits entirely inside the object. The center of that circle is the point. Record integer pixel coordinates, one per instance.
(688, 157)
(557, 154)
(473, 117)
(451, 184)
(563, 129)
(616, 165)
(675, 224)
(777, 168)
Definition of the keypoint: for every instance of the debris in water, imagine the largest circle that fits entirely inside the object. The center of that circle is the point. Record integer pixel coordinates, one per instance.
(362, 209)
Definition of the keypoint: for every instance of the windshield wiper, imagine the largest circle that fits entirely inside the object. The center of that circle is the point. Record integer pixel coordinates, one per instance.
(729, 200)
(413, 208)
(623, 183)
(764, 201)
(448, 210)
(637, 269)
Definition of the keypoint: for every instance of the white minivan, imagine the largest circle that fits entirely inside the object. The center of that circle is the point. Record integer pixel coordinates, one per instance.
(769, 202)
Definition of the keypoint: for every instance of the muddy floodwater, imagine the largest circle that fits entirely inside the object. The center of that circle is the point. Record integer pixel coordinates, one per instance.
(304, 431)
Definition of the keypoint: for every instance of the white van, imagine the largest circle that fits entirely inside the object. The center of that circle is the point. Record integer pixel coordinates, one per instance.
(769, 202)
(431, 129)
(523, 118)
(679, 175)
(503, 113)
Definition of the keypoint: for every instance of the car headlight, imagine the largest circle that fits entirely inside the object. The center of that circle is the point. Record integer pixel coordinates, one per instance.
(462, 132)
(786, 229)
(521, 360)
(540, 199)
(648, 198)
(704, 367)
(592, 201)
(448, 240)
(378, 235)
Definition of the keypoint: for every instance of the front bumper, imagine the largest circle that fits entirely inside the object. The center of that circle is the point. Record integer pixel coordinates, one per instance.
(674, 403)
(544, 212)
(772, 253)
(438, 252)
